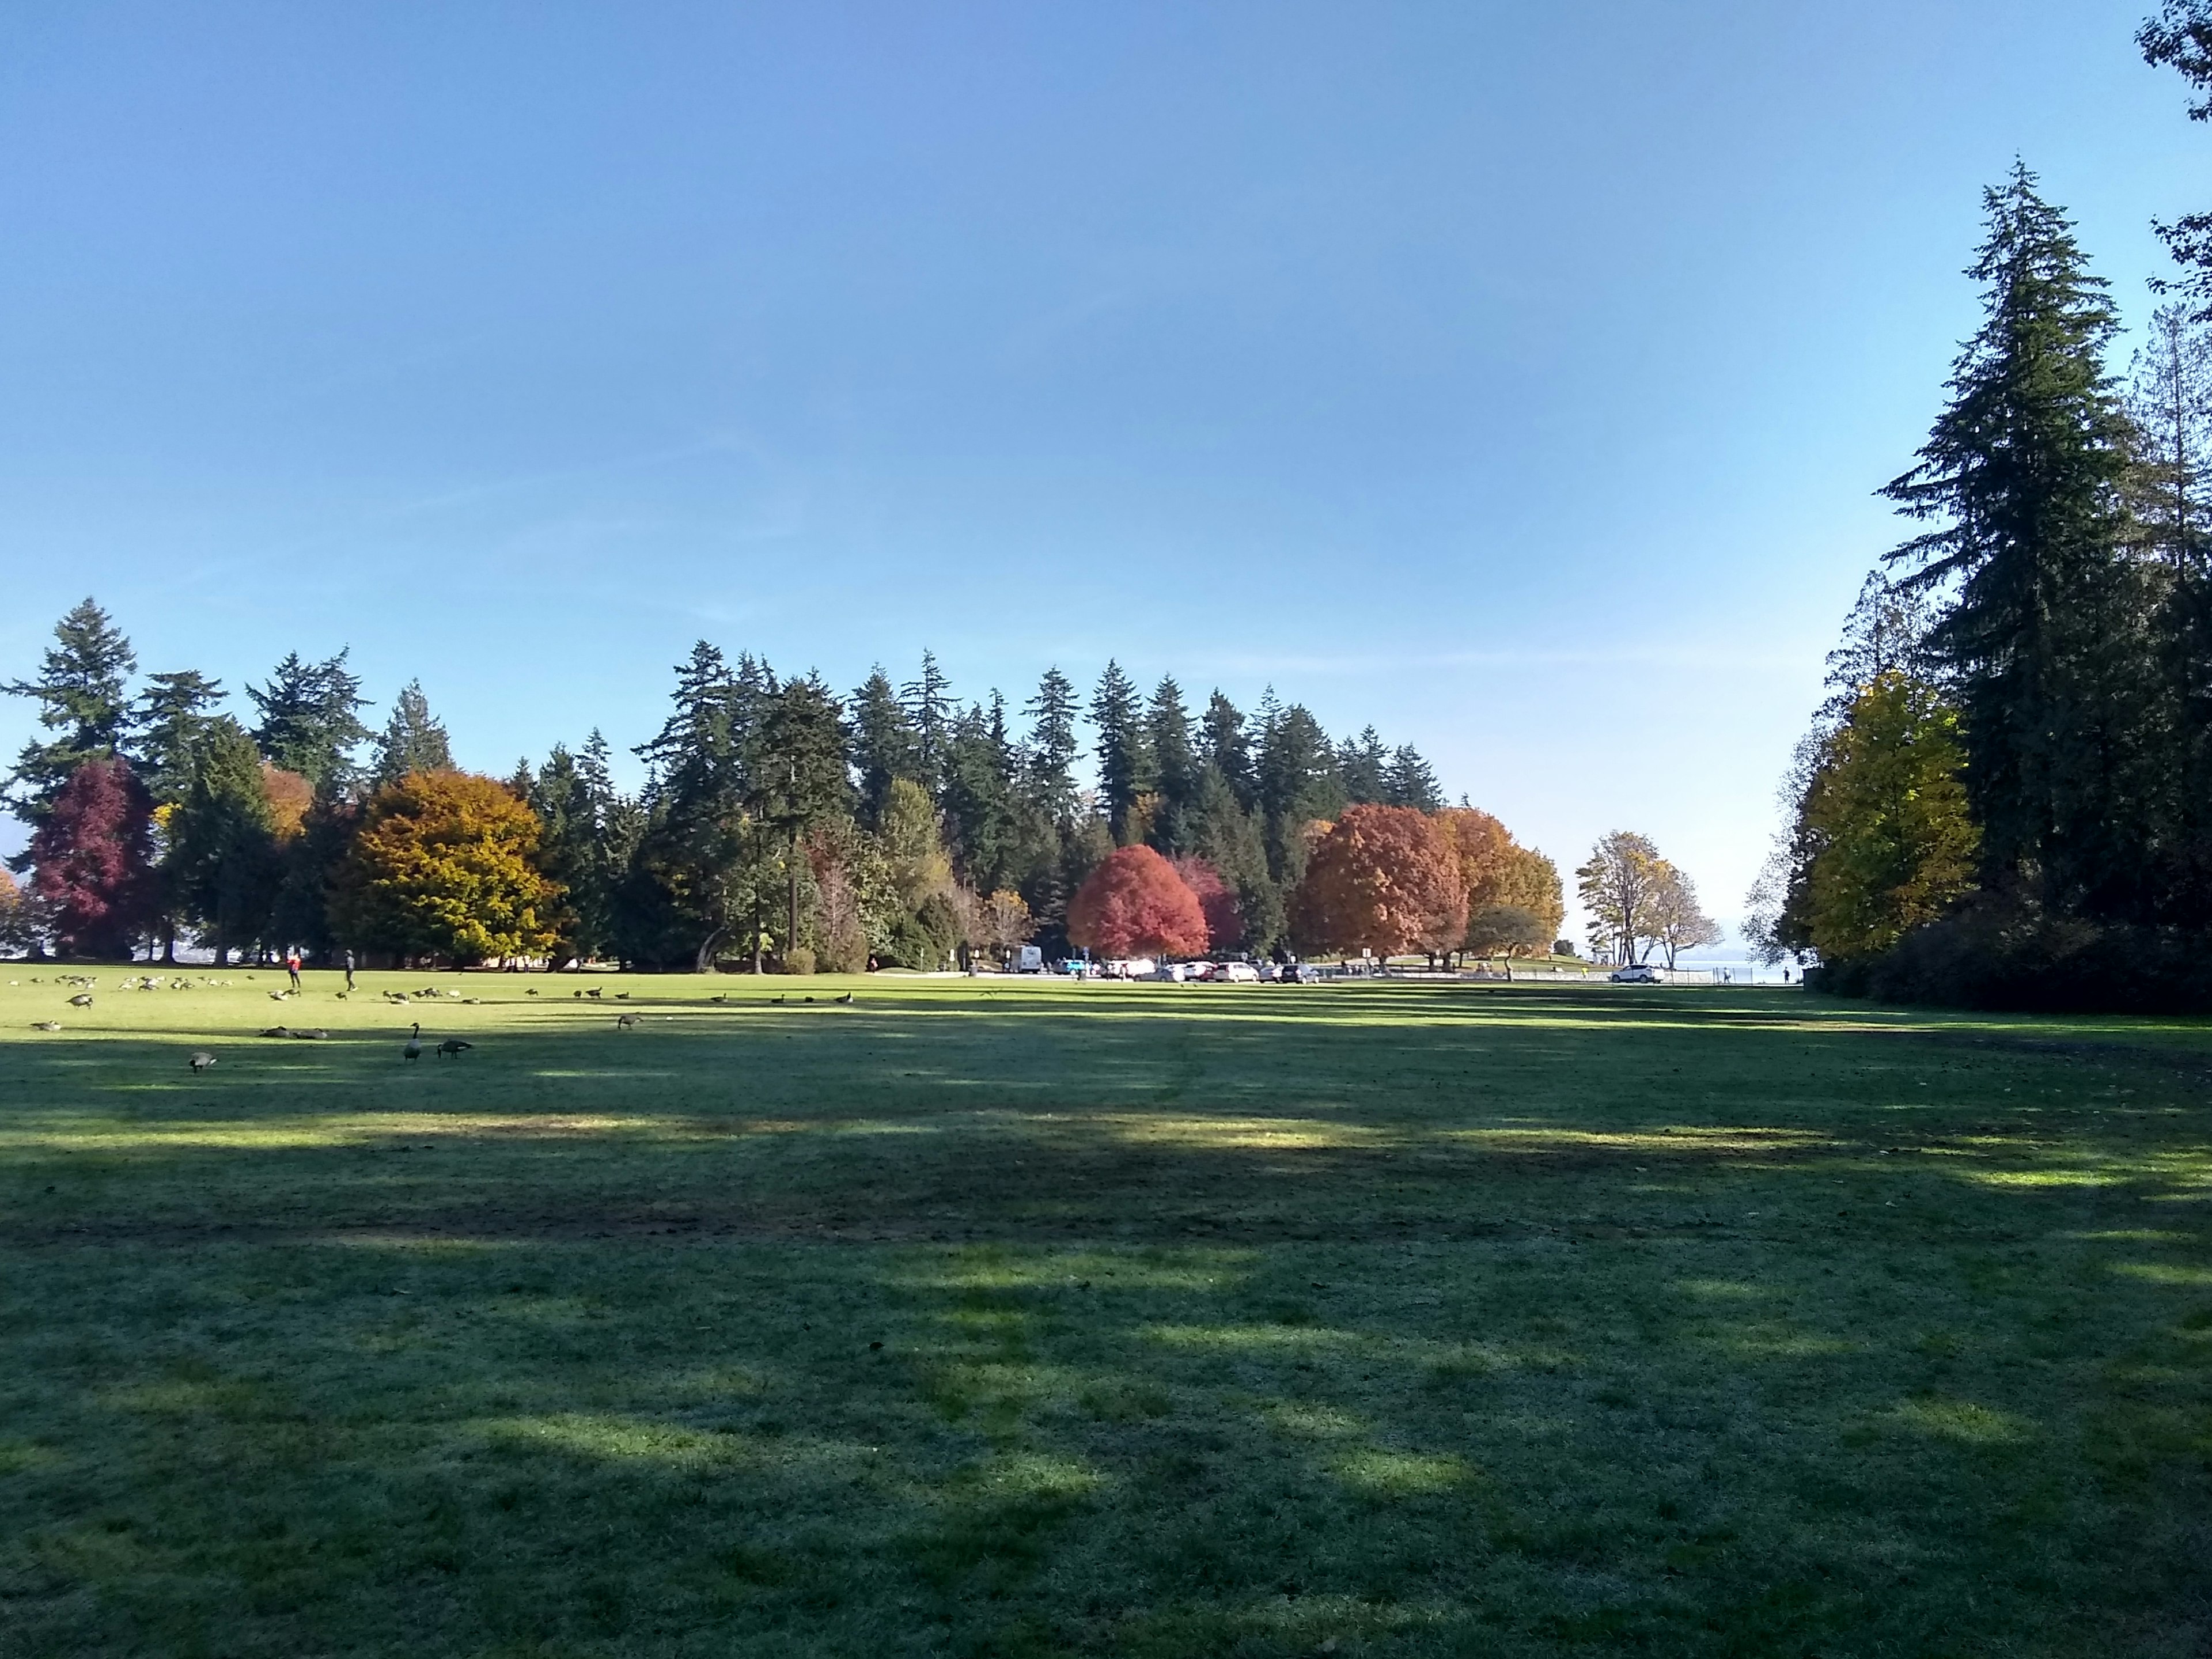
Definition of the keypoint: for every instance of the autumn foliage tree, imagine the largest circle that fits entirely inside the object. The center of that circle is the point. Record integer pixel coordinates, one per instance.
(1216, 900)
(1383, 879)
(91, 859)
(443, 865)
(1135, 904)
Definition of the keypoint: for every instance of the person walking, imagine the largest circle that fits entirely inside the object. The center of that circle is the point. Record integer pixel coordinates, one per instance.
(348, 967)
(292, 964)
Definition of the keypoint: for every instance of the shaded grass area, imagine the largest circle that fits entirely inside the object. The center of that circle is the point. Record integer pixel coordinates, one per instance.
(1036, 1319)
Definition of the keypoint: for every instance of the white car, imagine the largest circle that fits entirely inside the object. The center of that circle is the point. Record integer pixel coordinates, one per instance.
(1641, 974)
(1168, 973)
(1237, 972)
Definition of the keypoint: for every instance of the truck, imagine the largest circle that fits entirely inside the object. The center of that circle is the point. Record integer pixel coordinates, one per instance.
(1029, 959)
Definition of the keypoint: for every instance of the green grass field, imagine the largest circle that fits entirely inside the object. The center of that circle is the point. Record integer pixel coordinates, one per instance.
(1023, 1319)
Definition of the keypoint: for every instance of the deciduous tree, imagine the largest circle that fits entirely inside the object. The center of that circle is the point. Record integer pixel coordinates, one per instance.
(444, 865)
(1135, 904)
(1382, 878)
(1888, 812)
(1679, 923)
(91, 859)
(1619, 886)
(1216, 900)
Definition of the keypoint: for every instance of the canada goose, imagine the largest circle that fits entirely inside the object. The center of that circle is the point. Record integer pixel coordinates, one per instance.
(531, 992)
(201, 1061)
(414, 1048)
(278, 1031)
(81, 999)
(46, 1025)
(594, 991)
(621, 996)
(846, 1000)
(776, 1002)
(453, 1046)
(725, 997)
(625, 1022)
(278, 996)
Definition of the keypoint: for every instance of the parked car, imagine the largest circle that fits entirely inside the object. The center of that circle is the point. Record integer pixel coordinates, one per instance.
(1269, 972)
(1640, 974)
(1237, 972)
(1168, 973)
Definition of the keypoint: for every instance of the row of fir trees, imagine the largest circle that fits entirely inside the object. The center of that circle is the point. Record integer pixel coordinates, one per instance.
(777, 822)
(2007, 797)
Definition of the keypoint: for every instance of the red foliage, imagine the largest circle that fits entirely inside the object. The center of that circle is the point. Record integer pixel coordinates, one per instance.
(1135, 904)
(91, 860)
(1224, 922)
(1382, 878)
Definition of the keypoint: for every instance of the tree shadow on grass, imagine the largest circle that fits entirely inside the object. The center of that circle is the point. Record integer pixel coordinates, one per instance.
(887, 1332)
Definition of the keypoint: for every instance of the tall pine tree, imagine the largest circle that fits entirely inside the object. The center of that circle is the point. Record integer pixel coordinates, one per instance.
(82, 693)
(2024, 476)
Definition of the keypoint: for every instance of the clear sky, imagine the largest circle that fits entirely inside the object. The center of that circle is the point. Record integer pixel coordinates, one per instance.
(1513, 377)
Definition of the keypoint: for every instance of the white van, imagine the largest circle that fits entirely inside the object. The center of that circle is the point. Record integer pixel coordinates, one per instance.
(1237, 972)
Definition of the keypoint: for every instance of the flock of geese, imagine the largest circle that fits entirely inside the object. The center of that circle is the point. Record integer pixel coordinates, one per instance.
(201, 1061)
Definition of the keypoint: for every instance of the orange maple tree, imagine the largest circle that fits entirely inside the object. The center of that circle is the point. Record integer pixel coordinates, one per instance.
(1135, 904)
(1383, 878)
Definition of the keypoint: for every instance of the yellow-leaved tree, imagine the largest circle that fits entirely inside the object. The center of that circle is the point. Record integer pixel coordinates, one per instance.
(1887, 811)
(443, 865)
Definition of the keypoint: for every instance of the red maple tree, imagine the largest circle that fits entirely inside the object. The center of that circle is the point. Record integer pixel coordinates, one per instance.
(91, 860)
(1216, 899)
(1382, 878)
(1135, 904)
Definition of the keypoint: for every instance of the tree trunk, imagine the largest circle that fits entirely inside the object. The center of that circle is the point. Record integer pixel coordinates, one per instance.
(791, 870)
(757, 968)
(705, 959)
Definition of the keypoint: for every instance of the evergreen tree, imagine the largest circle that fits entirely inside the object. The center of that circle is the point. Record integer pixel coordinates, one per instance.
(1175, 766)
(926, 702)
(415, 741)
(81, 691)
(224, 868)
(979, 801)
(311, 719)
(801, 776)
(579, 845)
(2025, 471)
(1224, 746)
(1295, 781)
(1362, 765)
(1408, 780)
(174, 720)
(1050, 755)
(1125, 760)
(884, 744)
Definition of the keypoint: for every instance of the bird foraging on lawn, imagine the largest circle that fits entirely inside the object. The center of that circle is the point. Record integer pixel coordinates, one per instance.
(201, 1061)
(414, 1048)
(453, 1046)
(846, 1000)
(81, 999)
(594, 991)
(46, 1025)
(625, 1022)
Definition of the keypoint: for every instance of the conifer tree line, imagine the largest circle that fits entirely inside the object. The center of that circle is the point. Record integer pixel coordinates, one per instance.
(779, 824)
(2007, 799)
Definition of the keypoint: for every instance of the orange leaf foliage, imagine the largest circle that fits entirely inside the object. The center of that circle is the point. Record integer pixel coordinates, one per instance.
(1383, 878)
(290, 796)
(1135, 904)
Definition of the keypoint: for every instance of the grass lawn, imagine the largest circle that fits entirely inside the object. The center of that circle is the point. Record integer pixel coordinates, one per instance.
(1025, 1319)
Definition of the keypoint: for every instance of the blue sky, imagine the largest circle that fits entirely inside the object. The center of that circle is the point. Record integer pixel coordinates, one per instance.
(1513, 377)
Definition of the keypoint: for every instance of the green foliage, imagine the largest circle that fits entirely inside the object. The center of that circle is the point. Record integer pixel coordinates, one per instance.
(2025, 471)
(1889, 814)
(413, 739)
(311, 719)
(224, 867)
(173, 717)
(82, 693)
(1125, 753)
(883, 743)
